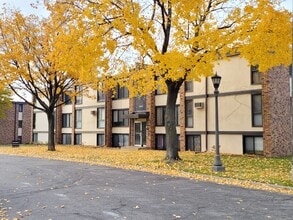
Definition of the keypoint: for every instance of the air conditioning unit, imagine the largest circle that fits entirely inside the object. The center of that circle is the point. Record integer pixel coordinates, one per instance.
(94, 112)
(199, 105)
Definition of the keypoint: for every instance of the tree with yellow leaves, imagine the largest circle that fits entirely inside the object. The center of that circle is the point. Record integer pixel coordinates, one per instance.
(178, 40)
(28, 67)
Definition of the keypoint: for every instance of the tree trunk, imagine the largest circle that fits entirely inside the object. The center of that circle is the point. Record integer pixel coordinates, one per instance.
(172, 145)
(51, 127)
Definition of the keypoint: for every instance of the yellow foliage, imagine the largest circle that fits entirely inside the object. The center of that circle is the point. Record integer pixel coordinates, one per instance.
(183, 42)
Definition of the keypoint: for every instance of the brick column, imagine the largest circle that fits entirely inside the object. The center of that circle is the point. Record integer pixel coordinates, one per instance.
(131, 123)
(151, 123)
(182, 138)
(58, 124)
(108, 122)
(27, 125)
(276, 112)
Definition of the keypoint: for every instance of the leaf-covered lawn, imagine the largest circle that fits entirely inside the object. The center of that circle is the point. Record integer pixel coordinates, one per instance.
(244, 170)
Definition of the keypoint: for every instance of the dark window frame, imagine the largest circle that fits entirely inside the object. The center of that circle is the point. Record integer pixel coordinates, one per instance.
(78, 97)
(188, 115)
(189, 86)
(78, 138)
(118, 137)
(121, 92)
(193, 147)
(98, 139)
(118, 119)
(66, 120)
(67, 138)
(99, 121)
(255, 112)
(245, 151)
(77, 120)
(255, 75)
(162, 110)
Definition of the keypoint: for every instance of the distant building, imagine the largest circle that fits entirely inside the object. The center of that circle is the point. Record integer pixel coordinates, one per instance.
(254, 115)
(17, 124)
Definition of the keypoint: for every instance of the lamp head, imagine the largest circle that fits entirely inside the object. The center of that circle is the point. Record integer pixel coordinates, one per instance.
(216, 80)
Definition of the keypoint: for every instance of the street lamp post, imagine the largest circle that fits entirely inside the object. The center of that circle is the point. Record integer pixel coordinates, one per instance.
(218, 166)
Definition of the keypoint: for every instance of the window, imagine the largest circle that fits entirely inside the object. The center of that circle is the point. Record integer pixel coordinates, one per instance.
(121, 92)
(120, 140)
(160, 115)
(78, 118)
(19, 124)
(193, 143)
(100, 96)
(189, 113)
(77, 139)
(161, 141)
(35, 138)
(101, 117)
(66, 99)
(256, 77)
(256, 110)
(189, 86)
(140, 103)
(20, 107)
(66, 120)
(66, 138)
(34, 120)
(78, 97)
(118, 118)
(100, 139)
(253, 145)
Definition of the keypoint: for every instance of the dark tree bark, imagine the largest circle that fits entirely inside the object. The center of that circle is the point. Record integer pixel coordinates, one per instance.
(172, 145)
(51, 133)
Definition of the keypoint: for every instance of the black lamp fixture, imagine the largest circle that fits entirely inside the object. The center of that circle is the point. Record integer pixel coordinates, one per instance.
(216, 81)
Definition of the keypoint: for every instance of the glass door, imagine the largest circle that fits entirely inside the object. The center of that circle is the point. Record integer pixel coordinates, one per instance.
(140, 133)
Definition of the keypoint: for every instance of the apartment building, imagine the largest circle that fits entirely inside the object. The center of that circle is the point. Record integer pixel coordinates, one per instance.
(254, 115)
(17, 124)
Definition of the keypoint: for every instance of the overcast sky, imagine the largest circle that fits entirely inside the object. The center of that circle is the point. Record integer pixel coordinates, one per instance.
(25, 6)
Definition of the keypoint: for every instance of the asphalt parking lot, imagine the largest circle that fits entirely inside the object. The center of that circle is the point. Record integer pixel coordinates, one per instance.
(32, 188)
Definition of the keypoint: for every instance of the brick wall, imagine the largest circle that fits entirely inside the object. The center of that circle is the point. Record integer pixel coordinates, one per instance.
(108, 117)
(9, 124)
(58, 125)
(276, 112)
(182, 118)
(151, 121)
(27, 124)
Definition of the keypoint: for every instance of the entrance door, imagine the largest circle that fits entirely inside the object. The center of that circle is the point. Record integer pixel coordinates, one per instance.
(140, 133)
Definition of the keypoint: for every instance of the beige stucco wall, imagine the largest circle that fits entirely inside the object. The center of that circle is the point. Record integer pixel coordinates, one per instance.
(230, 144)
(120, 104)
(89, 139)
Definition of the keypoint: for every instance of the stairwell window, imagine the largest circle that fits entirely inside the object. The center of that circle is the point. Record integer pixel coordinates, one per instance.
(256, 110)
(256, 76)
(78, 118)
(118, 118)
(101, 117)
(189, 113)
(66, 120)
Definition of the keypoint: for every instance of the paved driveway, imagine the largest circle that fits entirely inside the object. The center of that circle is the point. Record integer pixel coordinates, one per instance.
(40, 189)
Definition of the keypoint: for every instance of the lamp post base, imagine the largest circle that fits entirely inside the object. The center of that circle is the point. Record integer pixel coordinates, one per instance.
(218, 168)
